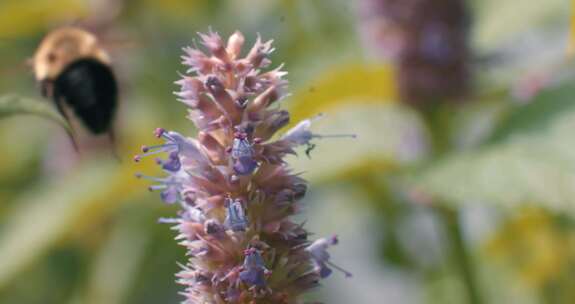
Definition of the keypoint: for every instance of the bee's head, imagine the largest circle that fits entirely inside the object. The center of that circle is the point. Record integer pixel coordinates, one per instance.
(62, 47)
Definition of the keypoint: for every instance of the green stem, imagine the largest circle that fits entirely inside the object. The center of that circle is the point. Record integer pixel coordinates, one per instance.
(439, 118)
(460, 254)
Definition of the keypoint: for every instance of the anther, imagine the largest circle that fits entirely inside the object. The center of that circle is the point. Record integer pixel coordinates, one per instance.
(159, 132)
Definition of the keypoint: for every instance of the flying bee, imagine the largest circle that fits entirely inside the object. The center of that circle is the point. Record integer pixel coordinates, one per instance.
(74, 71)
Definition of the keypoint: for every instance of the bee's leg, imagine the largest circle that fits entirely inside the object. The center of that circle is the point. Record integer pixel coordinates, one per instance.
(69, 129)
(46, 88)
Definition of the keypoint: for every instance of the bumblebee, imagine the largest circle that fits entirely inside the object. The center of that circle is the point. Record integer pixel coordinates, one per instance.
(75, 71)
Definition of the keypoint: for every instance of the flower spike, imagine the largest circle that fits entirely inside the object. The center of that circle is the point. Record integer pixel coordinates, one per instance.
(236, 194)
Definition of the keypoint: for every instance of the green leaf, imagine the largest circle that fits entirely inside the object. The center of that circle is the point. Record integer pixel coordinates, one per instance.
(499, 21)
(533, 167)
(42, 218)
(388, 135)
(60, 207)
(14, 105)
(124, 249)
(538, 114)
(358, 99)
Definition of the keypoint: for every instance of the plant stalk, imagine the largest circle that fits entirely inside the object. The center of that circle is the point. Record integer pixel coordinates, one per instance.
(460, 254)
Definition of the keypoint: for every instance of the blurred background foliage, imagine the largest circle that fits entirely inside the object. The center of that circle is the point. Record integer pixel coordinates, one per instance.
(467, 202)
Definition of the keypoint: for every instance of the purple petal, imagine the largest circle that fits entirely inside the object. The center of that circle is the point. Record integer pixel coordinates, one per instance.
(253, 277)
(173, 163)
(323, 270)
(170, 195)
(245, 165)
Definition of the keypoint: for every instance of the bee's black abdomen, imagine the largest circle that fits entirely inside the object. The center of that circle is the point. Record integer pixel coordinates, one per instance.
(90, 89)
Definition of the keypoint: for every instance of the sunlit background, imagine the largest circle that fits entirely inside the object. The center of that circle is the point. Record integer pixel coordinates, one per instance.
(465, 199)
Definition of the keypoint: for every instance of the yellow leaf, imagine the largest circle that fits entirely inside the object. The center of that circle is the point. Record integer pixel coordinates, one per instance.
(534, 245)
(571, 41)
(343, 85)
(29, 16)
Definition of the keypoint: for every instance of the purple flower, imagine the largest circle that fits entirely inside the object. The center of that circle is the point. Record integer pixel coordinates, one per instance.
(241, 146)
(320, 256)
(243, 155)
(302, 135)
(254, 271)
(192, 214)
(170, 186)
(235, 216)
(177, 146)
(172, 164)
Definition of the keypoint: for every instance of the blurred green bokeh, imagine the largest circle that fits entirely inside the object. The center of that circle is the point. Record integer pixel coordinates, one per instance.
(81, 229)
